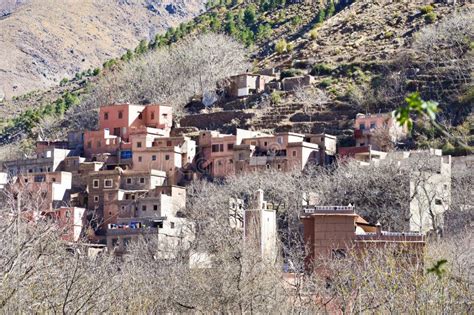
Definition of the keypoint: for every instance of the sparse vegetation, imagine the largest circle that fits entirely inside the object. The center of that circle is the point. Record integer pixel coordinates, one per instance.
(426, 9)
(321, 69)
(275, 97)
(288, 73)
(281, 46)
(430, 17)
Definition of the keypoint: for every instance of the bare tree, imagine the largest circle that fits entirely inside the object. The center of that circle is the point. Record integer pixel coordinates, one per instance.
(170, 76)
(312, 99)
(445, 52)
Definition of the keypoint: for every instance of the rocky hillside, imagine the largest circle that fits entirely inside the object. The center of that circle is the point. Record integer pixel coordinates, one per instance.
(356, 55)
(44, 41)
(360, 53)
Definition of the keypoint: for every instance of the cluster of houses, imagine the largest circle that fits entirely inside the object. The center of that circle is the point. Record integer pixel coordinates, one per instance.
(127, 179)
(246, 84)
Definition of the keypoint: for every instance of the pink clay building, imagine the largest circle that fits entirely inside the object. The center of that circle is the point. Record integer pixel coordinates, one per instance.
(116, 123)
(365, 127)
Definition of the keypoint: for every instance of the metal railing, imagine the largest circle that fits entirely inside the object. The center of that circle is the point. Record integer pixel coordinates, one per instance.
(316, 209)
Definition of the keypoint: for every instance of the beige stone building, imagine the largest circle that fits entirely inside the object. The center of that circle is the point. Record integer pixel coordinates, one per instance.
(49, 160)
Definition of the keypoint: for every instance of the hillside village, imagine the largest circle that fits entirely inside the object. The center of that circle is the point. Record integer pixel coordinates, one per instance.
(266, 156)
(109, 185)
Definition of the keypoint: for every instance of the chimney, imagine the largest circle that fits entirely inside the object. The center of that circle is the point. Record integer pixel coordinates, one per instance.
(258, 205)
(378, 228)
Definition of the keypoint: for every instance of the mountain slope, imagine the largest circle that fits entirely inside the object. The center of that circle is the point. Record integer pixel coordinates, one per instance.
(43, 41)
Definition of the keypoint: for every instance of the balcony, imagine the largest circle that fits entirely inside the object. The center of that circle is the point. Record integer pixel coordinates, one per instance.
(391, 237)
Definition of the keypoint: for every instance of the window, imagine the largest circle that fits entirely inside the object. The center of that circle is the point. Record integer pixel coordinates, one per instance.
(127, 196)
(152, 116)
(99, 144)
(140, 159)
(373, 125)
(143, 207)
(279, 166)
(133, 197)
(338, 253)
(265, 143)
(241, 156)
(155, 207)
(30, 170)
(26, 180)
(139, 144)
(39, 178)
(268, 166)
(153, 157)
(120, 114)
(95, 183)
(215, 148)
(106, 116)
(438, 202)
(140, 116)
(167, 157)
(165, 116)
(230, 146)
(294, 153)
(108, 183)
(172, 225)
(96, 198)
(89, 144)
(53, 180)
(129, 180)
(280, 140)
(362, 126)
(68, 214)
(168, 143)
(117, 132)
(142, 180)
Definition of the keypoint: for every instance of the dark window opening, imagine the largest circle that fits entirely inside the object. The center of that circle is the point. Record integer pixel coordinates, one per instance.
(339, 253)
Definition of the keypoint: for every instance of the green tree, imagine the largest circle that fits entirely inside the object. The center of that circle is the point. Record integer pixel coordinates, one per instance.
(331, 9)
(247, 36)
(264, 31)
(250, 15)
(215, 24)
(142, 47)
(127, 56)
(321, 16)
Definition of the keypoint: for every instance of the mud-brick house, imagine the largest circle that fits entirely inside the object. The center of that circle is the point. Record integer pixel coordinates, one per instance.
(107, 187)
(117, 121)
(246, 84)
(367, 126)
(333, 232)
(284, 151)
